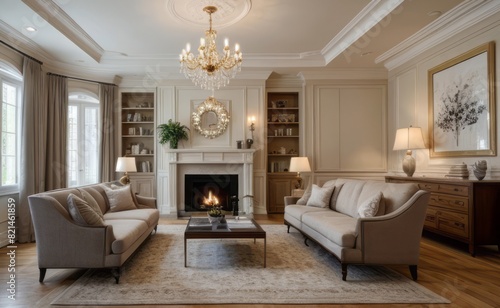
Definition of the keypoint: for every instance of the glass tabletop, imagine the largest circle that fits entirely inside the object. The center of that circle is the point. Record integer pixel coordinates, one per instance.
(229, 224)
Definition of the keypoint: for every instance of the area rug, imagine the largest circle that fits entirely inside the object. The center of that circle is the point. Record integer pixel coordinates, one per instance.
(231, 271)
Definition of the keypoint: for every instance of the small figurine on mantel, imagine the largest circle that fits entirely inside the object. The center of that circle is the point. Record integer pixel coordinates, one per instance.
(479, 169)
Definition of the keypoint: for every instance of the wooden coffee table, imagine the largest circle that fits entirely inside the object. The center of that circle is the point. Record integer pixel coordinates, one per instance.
(201, 228)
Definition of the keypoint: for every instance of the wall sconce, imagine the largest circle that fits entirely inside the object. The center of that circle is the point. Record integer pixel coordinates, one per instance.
(252, 129)
(409, 139)
(125, 164)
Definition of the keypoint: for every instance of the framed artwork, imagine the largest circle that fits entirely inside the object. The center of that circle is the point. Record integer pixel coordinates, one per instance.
(462, 105)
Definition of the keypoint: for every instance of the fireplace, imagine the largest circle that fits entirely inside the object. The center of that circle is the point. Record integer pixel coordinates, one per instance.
(199, 186)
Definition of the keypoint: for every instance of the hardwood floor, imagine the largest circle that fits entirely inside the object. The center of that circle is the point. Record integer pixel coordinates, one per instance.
(445, 268)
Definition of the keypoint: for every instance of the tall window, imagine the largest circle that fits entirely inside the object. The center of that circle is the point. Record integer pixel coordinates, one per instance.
(10, 131)
(83, 139)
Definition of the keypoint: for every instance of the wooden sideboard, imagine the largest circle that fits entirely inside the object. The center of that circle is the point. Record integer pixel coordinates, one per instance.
(465, 210)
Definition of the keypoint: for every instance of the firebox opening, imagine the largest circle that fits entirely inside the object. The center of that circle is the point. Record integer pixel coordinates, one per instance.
(199, 186)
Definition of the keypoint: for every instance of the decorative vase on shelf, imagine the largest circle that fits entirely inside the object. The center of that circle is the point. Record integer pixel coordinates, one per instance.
(479, 168)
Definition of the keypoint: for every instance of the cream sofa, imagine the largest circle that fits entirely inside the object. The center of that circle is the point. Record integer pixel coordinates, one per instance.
(90, 238)
(343, 227)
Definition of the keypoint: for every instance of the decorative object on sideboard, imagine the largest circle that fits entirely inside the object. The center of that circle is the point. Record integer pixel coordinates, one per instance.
(125, 164)
(479, 169)
(408, 139)
(210, 70)
(299, 164)
(458, 171)
(172, 132)
(211, 118)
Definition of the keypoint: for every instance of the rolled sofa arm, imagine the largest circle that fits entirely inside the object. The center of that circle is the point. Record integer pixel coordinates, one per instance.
(395, 238)
(291, 200)
(146, 202)
(62, 243)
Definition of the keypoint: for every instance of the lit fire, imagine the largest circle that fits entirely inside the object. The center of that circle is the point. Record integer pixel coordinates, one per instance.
(211, 200)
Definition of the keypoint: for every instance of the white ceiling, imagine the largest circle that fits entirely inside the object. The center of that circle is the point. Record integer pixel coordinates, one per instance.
(104, 38)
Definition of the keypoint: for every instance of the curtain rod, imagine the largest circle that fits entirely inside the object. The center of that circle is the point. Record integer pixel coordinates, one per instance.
(22, 53)
(81, 79)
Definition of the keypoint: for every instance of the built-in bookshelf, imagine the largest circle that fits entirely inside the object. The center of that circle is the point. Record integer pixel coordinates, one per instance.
(283, 132)
(138, 135)
(283, 140)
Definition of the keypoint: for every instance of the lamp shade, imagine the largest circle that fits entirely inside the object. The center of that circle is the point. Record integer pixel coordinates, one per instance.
(126, 164)
(409, 138)
(299, 164)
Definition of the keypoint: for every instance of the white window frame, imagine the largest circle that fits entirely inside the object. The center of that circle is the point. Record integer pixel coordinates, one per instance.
(14, 79)
(81, 105)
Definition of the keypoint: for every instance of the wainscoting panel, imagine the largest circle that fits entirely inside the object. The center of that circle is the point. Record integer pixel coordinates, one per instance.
(350, 133)
(326, 128)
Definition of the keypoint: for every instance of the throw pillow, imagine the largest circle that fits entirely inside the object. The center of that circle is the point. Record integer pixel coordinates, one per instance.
(120, 199)
(369, 207)
(320, 196)
(92, 202)
(82, 213)
(306, 195)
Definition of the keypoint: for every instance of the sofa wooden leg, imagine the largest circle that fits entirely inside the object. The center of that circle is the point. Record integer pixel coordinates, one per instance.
(116, 272)
(305, 241)
(156, 229)
(288, 229)
(42, 274)
(413, 272)
(344, 271)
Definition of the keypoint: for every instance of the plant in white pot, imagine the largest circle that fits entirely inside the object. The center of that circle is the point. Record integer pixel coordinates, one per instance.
(172, 132)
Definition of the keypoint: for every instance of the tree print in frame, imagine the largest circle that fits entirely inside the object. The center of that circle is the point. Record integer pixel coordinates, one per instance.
(462, 105)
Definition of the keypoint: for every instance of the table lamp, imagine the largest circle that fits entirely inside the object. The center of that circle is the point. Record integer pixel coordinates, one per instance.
(125, 164)
(299, 164)
(408, 139)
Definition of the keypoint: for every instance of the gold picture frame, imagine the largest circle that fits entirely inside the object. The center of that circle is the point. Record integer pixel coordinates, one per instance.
(462, 116)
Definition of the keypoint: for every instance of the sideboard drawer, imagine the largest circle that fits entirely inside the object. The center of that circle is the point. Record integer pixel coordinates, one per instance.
(453, 223)
(430, 218)
(445, 188)
(450, 202)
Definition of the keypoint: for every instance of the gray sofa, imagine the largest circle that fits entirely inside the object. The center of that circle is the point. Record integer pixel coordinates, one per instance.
(70, 233)
(342, 225)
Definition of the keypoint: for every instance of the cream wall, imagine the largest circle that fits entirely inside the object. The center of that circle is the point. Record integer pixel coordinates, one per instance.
(408, 98)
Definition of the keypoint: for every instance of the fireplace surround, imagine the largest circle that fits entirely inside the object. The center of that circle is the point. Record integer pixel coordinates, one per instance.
(179, 162)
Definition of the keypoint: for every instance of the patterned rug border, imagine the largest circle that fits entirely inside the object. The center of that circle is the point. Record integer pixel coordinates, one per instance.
(359, 277)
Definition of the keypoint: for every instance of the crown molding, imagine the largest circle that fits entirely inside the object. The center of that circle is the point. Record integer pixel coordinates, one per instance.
(463, 16)
(372, 14)
(54, 15)
(17, 40)
(345, 74)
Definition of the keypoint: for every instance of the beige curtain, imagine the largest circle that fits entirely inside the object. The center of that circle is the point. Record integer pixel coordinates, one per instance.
(33, 144)
(56, 173)
(109, 151)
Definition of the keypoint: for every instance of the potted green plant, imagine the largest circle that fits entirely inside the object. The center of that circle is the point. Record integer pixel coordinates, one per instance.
(172, 132)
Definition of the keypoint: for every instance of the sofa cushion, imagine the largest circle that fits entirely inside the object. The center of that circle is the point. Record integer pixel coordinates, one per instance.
(347, 201)
(150, 216)
(320, 196)
(337, 227)
(369, 207)
(83, 213)
(120, 199)
(126, 233)
(297, 211)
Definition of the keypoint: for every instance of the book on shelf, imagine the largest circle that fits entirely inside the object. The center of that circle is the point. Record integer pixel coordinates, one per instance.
(146, 166)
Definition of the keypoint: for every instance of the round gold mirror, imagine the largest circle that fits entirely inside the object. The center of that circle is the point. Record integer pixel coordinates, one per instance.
(210, 118)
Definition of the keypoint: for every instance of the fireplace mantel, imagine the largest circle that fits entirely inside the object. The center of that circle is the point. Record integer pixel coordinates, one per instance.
(209, 160)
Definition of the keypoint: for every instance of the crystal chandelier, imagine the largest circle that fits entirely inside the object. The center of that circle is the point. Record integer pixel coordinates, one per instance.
(211, 70)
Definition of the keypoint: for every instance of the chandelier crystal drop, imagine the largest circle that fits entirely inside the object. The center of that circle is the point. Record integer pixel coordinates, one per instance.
(209, 69)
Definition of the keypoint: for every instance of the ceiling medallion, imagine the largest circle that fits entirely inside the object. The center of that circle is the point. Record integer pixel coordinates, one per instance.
(209, 69)
(191, 11)
(210, 118)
